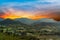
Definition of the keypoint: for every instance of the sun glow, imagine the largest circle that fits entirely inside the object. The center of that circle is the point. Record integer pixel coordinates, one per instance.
(13, 14)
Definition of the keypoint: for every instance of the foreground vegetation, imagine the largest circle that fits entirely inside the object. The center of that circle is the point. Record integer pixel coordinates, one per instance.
(14, 30)
(16, 37)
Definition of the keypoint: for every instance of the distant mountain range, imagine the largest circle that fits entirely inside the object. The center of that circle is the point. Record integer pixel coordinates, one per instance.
(27, 21)
(1, 19)
(37, 24)
(30, 21)
(8, 21)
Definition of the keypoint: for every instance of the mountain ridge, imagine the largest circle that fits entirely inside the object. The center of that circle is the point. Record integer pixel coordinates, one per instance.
(30, 21)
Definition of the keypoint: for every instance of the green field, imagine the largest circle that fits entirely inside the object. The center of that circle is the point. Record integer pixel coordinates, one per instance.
(15, 37)
(8, 37)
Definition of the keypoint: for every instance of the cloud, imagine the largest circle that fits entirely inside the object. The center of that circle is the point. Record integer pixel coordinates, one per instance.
(31, 5)
(55, 15)
(49, 0)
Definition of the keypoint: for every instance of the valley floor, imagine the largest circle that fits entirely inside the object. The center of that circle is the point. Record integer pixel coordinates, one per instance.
(16, 37)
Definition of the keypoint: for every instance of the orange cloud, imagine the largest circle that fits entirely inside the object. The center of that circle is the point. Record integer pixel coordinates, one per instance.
(13, 14)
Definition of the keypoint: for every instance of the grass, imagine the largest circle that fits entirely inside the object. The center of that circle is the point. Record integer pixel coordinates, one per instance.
(9, 37)
(4, 36)
(13, 37)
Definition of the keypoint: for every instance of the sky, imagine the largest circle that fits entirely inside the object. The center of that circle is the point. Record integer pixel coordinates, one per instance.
(33, 9)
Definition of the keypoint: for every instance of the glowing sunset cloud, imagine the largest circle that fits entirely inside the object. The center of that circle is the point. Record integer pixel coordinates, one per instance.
(13, 14)
(32, 9)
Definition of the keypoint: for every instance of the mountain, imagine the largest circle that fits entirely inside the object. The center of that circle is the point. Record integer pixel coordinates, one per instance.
(36, 24)
(10, 21)
(25, 21)
(48, 26)
(1, 19)
(46, 20)
(30, 21)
